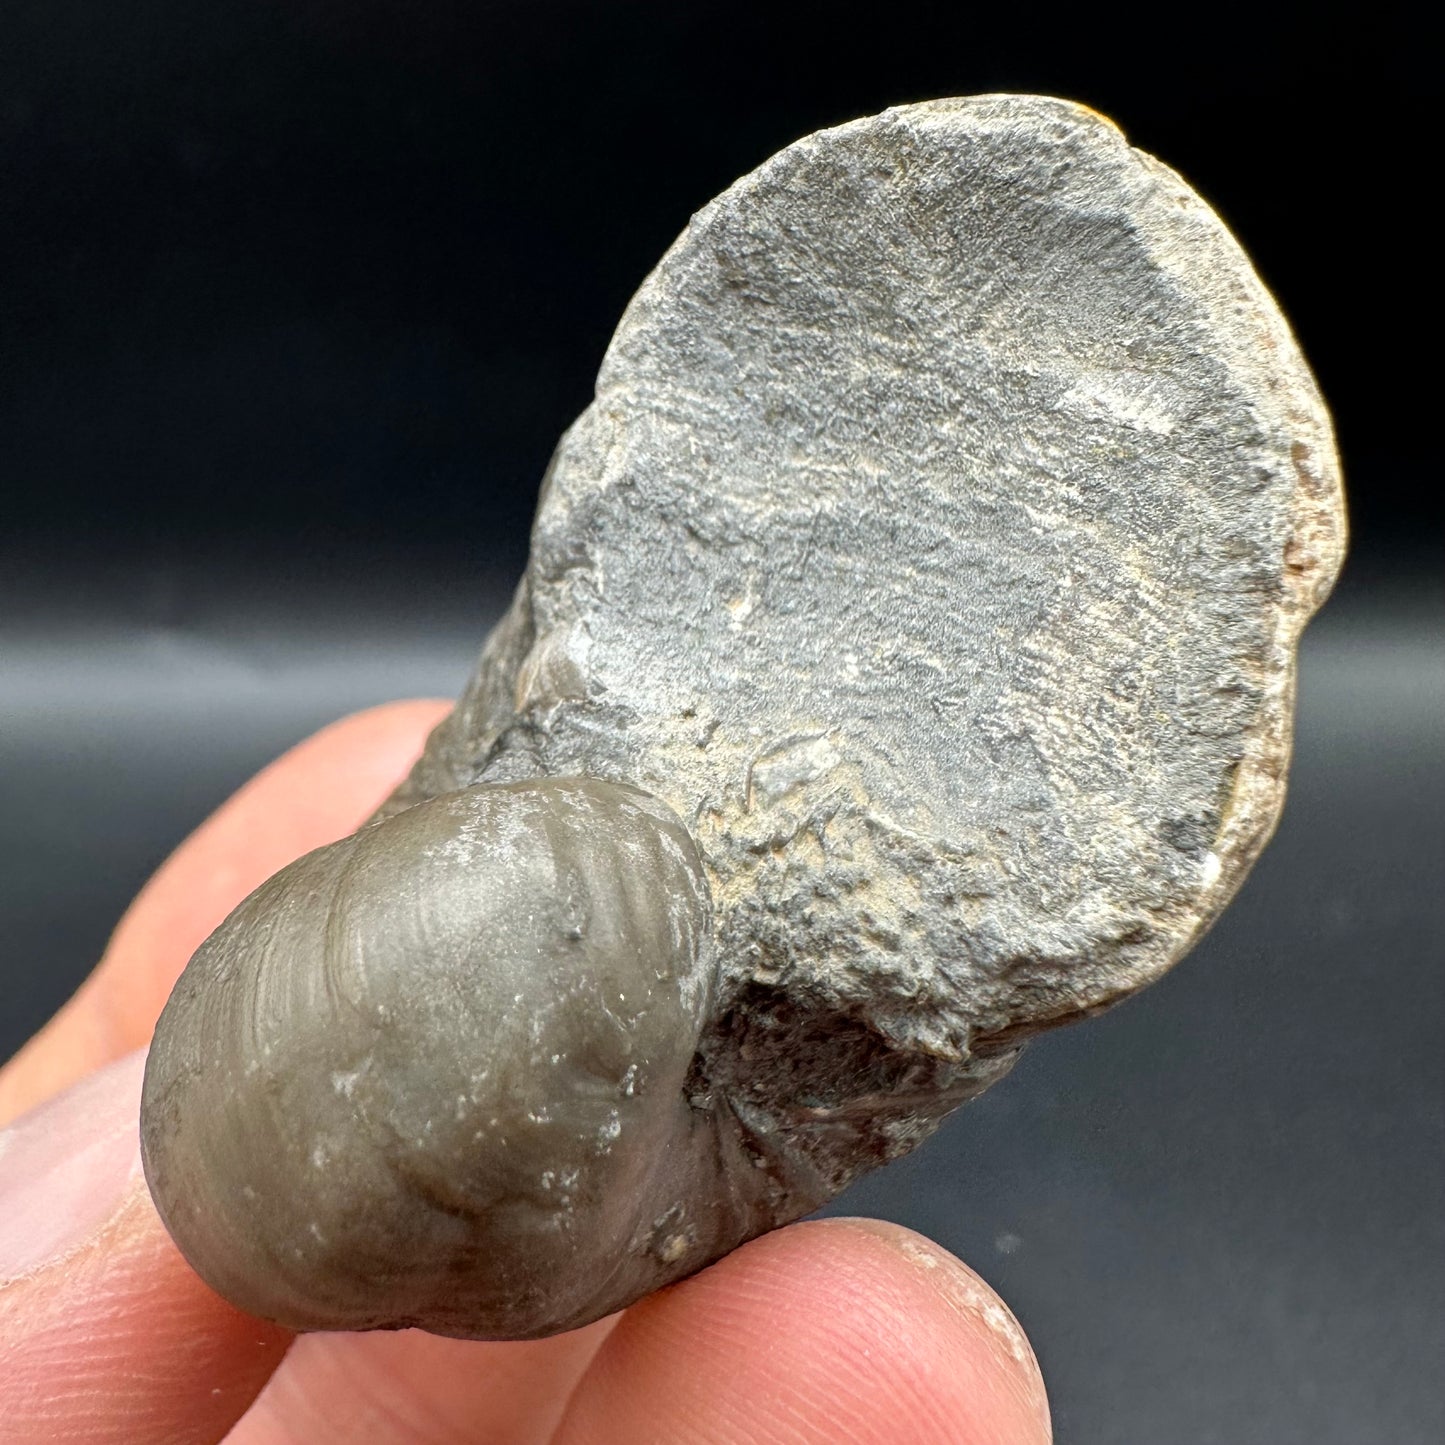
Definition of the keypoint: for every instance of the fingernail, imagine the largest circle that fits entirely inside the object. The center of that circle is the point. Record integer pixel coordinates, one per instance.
(67, 1167)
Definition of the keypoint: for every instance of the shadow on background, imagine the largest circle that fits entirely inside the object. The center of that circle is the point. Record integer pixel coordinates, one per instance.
(294, 301)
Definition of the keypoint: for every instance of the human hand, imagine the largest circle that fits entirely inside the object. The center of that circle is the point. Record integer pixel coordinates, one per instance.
(842, 1330)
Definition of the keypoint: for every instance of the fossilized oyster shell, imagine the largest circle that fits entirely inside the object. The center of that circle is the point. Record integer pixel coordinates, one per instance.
(903, 666)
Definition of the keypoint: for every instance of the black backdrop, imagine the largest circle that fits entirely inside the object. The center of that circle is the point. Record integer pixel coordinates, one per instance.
(332, 268)
(294, 301)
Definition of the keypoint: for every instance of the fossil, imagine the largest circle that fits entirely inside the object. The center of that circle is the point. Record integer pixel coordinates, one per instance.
(903, 666)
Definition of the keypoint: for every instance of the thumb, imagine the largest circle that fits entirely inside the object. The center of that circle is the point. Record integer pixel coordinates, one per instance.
(105, 1332)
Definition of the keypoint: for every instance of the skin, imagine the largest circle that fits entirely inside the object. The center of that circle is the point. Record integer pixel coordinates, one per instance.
(840, 1331)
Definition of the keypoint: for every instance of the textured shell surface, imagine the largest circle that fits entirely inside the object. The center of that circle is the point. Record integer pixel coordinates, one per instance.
(904, 665)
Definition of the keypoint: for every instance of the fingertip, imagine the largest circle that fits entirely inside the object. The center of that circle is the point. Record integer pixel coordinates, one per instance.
(982, 1325)
(318, 791)
(833, 1330)
(313, 794)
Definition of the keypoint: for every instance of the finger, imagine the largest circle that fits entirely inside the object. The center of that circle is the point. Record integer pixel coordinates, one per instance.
(841, 1330)
(318, 792)
(339, 1387)
(411, 1388)
(106, 1335)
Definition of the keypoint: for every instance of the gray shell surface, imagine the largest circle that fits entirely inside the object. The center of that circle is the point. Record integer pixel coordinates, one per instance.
(932, 559)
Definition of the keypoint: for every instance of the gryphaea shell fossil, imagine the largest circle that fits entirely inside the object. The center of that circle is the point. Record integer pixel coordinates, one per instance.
(903, 666)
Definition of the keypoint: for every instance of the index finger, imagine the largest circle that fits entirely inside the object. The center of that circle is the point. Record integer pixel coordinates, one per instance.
(317, 792)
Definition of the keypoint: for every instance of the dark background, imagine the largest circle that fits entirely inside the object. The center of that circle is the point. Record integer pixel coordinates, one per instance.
(294, 301)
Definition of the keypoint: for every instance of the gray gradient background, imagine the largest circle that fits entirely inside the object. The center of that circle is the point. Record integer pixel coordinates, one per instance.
(293, 309)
